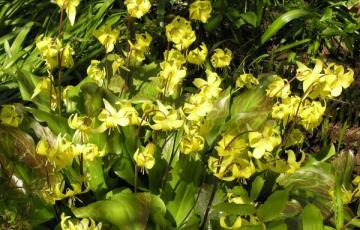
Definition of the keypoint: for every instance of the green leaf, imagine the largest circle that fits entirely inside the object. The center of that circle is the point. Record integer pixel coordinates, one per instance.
(56, 123)
(213, 22)
(126, 209)
(16, 45)
(277, 225)
(235, 209)
(96, 179)
(256, 187)
(249, 109)
(311, 218)
(250, 17)
(282, 21)
(273, 206)
(355, 222)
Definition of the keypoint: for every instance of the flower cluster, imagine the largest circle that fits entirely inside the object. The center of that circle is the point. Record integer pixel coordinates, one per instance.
(53, 52)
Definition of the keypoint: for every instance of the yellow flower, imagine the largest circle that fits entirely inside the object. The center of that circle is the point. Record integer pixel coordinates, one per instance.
(141, 46)
(200, 10)
(172, 77)
(179, 31)
(107, 37)
(9, 116)
(264, 141)
(278, 88)
(197, 107)
(166, 118)
(246, 80)
(144, 158)
(311, 114)
(210, 88)
(292, 164)
(118, 62)
(83, 126)
(137, 8)
(243, 169)
(235, 225)
(286, 110)
(112, 118)
(192, 142)
(342, 80)
(231, 145)
(198, 55)
(83, 224)
(60, 152)
(70, 7)
(173, 57)
(96, 73)
(50, 49)
(221, 58)
(90, 151)
(309, 76)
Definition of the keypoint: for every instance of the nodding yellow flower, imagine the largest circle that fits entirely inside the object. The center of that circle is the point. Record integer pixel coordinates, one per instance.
(43, 86)
(141, 46)
(90, 151)
(286, 110)
(56, 191)
(83, 224)
(144, 158)
(221, 58)
(172, 77)
(173, 57)
(309, 76)
(342, 79)
(292, 164)
(9, 116)
(60, 152)
(197, 107)
(264, 141)
(179, 31)
(49, 49)
(192, 142)
(200, 10)
(166, 118)
(83, 126)
(278, 88)
(210, 88)
(70, 8)
(96, 73)
(235, 225)
(230, 168)
(112, 118)
(311, 114)
(137, 8)
(118, 62)
(198, 55)
(246, 80)
(107, 37)
(231, 145)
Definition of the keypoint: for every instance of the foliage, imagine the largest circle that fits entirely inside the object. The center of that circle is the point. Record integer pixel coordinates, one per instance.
(175, 114)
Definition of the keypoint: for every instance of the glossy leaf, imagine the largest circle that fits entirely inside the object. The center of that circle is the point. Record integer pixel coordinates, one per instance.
(281, 21)
(273, 206)
(311, 218)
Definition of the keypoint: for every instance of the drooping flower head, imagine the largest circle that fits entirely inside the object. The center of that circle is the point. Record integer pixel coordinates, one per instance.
(137, 8)
(107, 37)
(200, 10)
(180, 32)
